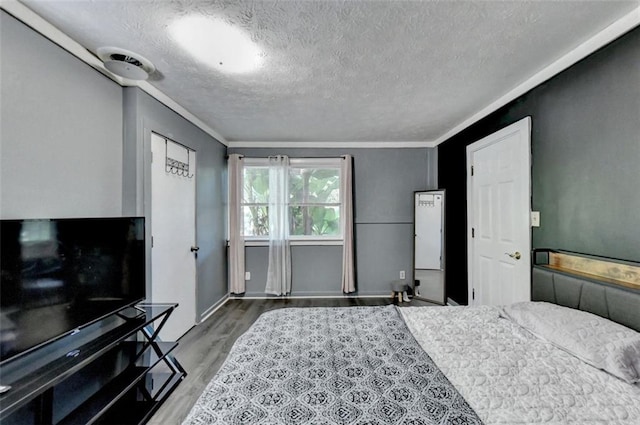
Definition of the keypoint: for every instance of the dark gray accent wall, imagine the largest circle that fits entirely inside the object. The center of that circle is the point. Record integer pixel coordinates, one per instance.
(60, 131)
(144, 115)
(384, 181)
(585, 154)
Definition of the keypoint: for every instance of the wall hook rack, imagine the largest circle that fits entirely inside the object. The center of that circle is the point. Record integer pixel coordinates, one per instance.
(175, 166)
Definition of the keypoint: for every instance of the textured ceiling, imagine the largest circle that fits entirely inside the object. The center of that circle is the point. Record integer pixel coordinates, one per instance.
(344, 70)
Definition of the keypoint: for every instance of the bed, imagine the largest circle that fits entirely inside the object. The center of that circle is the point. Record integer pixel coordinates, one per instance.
(514, 364)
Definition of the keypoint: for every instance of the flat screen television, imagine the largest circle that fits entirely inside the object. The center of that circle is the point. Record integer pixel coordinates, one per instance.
(60, 275)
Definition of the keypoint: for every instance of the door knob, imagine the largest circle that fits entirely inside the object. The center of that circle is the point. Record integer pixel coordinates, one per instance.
(516, 255)
(195, 248)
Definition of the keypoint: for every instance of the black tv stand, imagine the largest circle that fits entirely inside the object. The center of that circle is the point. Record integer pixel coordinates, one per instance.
(118, 373)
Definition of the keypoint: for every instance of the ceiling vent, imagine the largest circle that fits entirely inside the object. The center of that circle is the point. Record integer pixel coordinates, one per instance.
(125, 63)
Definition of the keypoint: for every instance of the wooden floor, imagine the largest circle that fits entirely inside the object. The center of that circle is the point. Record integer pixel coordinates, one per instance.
(204, 348)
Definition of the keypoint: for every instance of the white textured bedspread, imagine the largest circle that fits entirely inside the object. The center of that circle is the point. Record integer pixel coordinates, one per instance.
(509, 376)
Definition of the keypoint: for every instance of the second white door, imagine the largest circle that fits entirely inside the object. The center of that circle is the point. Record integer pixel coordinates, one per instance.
(498, 213)
(173, 264)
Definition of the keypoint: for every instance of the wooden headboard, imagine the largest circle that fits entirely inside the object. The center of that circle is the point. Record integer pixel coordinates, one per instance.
(601, 286)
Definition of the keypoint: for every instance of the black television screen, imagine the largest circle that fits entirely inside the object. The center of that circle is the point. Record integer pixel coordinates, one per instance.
(59, 275)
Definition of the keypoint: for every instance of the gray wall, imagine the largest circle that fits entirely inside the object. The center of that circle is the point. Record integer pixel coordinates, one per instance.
(142, 115)
(60, 131)
(74, 144)
(384, 181)
(585, 153)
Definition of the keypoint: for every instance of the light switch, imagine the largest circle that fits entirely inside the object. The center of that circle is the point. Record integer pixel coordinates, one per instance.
(535, 218)
(247, 275)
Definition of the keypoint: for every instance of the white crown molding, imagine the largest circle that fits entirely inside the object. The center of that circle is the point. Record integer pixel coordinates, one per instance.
(176, 107)
(33, 20)
(601, 39)
(332, 144)
(613, 31)
(37, 23)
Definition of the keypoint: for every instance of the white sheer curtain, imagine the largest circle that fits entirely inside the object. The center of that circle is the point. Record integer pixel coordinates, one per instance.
(236, 240)
(279, 272)
(346, 189)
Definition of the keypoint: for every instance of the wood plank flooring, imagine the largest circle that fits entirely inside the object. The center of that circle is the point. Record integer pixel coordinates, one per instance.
(203, 349)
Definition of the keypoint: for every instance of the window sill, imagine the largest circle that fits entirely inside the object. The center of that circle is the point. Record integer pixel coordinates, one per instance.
(307, 242)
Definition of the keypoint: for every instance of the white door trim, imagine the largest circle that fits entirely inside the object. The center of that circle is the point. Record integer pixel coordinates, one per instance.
(524, 125)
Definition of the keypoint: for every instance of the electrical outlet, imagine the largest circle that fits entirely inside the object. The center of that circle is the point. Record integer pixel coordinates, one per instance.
(402, 275)
(247, 275)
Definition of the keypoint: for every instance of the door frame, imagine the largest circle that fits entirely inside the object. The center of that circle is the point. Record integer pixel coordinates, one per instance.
(524, 125)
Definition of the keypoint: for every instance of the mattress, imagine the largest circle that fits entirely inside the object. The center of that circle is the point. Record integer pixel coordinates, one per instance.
(509, 376)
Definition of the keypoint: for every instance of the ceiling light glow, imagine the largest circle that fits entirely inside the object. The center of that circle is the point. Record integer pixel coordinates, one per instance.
(218, 44)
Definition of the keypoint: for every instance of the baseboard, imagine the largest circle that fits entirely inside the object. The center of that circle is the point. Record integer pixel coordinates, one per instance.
(208, 312)
(421, 298)
(451, 302)
(303, 297)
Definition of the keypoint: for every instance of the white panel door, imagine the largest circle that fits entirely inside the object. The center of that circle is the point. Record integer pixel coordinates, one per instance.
(498, 207)
(173, 264)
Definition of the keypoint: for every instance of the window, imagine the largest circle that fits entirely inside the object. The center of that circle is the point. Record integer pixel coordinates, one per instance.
(314, 199)
(37, 231)
(255, 201)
